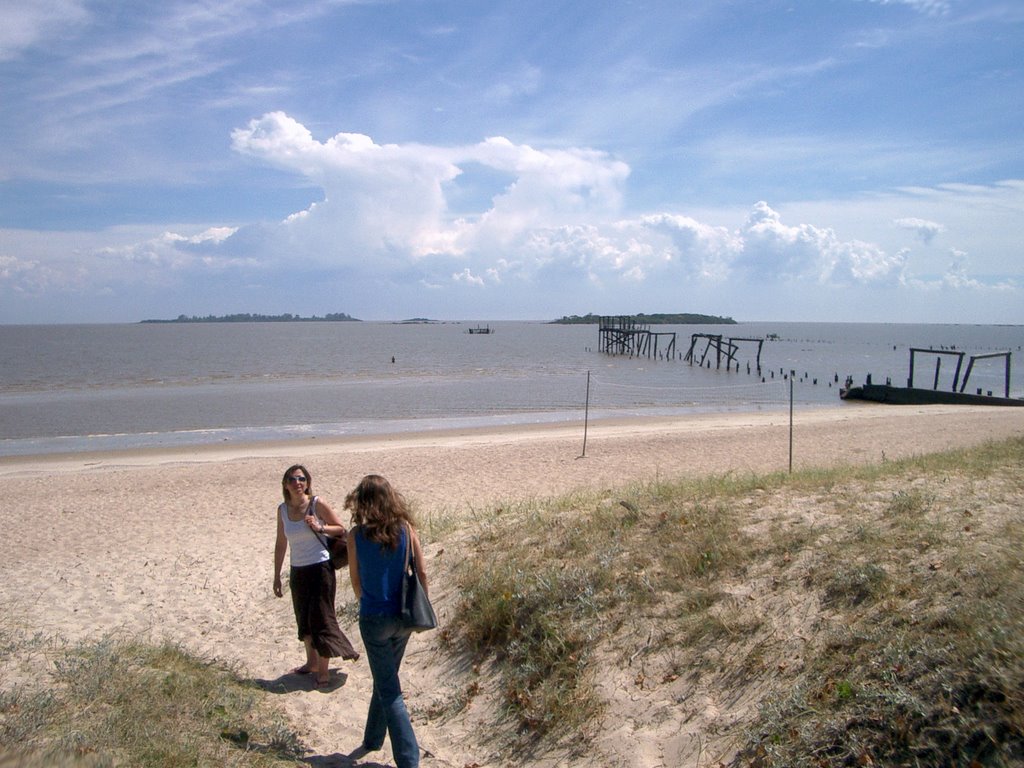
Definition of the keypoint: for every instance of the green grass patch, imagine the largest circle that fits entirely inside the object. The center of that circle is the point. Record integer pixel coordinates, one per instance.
(923, 657)
(544, 585)
(126, 702)
(924, 664)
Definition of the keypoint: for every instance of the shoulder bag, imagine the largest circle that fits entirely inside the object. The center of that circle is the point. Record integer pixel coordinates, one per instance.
(417, 612)
(337, 546)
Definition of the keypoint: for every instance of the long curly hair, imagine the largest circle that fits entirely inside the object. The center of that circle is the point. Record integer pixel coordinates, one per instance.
(379, 510)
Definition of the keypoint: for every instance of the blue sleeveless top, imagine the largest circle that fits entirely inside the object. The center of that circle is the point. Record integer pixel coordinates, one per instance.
(380, 574)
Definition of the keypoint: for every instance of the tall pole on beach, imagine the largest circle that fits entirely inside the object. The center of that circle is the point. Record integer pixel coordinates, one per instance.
(790, 425)
(586, 418)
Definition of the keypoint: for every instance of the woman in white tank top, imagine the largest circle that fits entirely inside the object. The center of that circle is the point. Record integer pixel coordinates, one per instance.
(303, 522)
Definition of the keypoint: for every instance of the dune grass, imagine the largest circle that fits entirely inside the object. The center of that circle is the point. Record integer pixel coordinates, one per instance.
(925, 665)
(121, 702)
(918, 657)
(546, 583)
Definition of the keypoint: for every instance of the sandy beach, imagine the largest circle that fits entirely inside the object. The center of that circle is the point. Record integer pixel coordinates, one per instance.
(179, 544)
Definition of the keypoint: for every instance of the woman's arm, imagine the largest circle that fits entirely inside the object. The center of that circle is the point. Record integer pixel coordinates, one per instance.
(324, 521)
(421, 568)
(332, 523)
(280, 547)
(353, 568)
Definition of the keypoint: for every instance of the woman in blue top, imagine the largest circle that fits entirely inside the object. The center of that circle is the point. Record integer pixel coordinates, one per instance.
(382, 529)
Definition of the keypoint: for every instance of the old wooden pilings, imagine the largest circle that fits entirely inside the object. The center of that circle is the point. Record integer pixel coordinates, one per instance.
(624, 335)
(959, 367)
(725, 349)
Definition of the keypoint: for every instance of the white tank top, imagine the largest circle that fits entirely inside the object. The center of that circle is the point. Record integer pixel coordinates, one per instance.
(304, 546)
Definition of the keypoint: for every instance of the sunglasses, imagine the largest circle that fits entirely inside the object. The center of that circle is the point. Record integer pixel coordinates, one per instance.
(297, 479)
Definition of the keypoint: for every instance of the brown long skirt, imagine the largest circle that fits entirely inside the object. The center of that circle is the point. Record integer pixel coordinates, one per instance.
(313, 590)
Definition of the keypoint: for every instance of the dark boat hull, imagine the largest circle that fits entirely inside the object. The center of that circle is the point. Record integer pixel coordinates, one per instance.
(885, 393)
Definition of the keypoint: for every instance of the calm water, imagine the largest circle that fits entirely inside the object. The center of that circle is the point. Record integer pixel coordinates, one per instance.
(91, 387)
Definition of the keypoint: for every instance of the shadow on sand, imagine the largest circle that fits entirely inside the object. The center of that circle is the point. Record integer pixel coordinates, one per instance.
(290, 682)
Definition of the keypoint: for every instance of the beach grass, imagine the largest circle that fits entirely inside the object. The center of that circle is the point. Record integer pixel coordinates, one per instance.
(117, 702)
(913, 650)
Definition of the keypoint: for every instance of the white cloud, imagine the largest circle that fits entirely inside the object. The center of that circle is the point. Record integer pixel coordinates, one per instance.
(558, 216)
(391, 198)
(377, 197)
(27, 276)
(704, 251)
(466, 276)
(775, 250)
(172, 252)
(925, 230)
(956, 276)
(552, 227)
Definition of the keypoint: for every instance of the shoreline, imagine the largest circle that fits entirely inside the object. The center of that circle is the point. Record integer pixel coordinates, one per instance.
(450, 437)
(456, 436)
(203, 439)
(330, 445)
(857, 416)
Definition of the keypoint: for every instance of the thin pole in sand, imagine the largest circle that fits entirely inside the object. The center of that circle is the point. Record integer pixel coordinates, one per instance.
(586, 418)
(791, 425)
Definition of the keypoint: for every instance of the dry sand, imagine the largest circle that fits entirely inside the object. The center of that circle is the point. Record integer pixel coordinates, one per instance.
(179, 544)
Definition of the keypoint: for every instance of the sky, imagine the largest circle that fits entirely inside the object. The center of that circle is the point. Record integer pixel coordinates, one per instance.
(809, 160)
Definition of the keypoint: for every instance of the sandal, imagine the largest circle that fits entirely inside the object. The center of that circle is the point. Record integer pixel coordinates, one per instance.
(303, 670)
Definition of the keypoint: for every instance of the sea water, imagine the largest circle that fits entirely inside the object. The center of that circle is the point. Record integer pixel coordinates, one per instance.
(100, 387)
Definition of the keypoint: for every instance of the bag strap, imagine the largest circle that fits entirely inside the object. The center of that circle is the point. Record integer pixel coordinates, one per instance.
(312, 511)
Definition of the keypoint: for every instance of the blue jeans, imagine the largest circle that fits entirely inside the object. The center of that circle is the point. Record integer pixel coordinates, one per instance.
(384, 639)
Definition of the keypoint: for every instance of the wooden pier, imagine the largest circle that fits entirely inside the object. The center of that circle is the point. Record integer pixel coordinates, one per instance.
(959, 367)
(956, 395)
(725, 349)
(624, 335)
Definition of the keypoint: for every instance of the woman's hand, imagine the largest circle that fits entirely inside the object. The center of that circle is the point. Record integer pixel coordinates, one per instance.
(314, 524)
(277, 586)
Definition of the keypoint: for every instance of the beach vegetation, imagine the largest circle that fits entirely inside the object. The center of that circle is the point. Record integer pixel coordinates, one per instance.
(907, 574)
(122, 701)
(249, 317)
(657, 318)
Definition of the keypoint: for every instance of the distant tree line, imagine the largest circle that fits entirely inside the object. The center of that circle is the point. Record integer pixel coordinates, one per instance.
(682, 318)
(247, 317)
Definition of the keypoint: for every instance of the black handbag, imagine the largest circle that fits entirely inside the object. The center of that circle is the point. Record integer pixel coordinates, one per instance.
(337, 546)
(417, 612)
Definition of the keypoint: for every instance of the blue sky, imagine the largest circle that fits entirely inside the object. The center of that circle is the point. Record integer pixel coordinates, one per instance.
(849, 160)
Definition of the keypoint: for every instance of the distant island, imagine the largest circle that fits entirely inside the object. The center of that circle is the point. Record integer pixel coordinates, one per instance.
(683, 318)
(250, 318)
